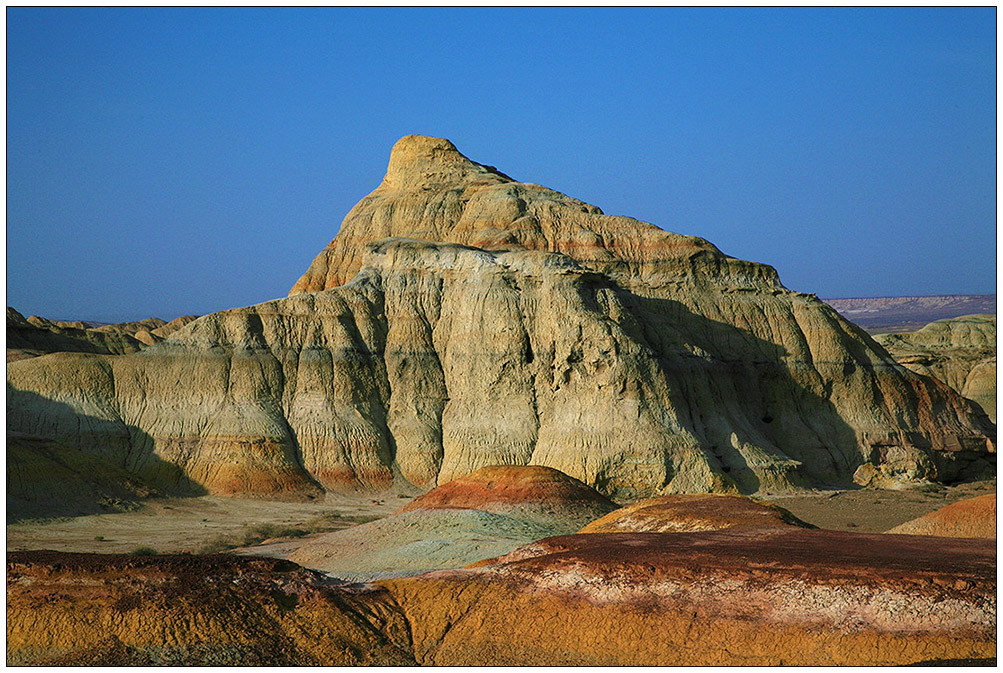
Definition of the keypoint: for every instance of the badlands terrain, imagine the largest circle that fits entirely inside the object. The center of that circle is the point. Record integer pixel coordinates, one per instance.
(493, 425)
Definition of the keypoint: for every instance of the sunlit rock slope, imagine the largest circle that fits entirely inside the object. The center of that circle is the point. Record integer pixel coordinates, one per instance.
(505, 323)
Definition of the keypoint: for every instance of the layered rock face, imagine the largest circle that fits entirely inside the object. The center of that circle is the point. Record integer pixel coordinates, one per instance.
(98, 609)
(743, 596)
(961, 352)
(973, 517)
(633, 359)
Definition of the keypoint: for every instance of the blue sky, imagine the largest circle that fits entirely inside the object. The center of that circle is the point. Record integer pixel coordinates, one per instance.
(186, 160)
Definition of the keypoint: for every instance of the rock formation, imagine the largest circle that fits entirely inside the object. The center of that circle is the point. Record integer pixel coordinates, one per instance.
(742, 596)
(34, 336)
(693, 512)
(749, 596)
(530, 491)
(100, 609)
(526, 327)
(973, 517)
(961, 352)
(484, 514)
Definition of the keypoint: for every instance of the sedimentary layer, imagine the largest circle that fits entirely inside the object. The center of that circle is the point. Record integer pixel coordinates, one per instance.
(484, 514)
(683, 513)
(749, 596)
(633, 359)
(99, 609)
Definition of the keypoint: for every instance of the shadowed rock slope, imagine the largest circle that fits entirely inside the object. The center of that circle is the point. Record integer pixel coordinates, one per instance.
(46, 479)
(973, 517)
(636, 360)
(742, 596)
(90, 609)
(961, 352)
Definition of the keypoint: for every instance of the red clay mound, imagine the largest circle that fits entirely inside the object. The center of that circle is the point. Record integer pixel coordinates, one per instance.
(500, 487)
(974, 517)
(743, 596)
(691, 513)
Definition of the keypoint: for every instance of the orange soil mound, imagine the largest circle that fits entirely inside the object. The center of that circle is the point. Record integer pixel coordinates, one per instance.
(743, 596)
(693, 512)
(96, 609)
(501, 486)
(973, 517)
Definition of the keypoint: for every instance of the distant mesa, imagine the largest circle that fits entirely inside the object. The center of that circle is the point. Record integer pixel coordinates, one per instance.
(881, 315)
(973, 517)
(689, 513)
(462, 319)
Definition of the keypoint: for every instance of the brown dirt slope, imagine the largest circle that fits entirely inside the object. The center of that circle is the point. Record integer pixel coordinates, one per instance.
(783, 596)
(95, 609)
(693, 512)
(974, 517)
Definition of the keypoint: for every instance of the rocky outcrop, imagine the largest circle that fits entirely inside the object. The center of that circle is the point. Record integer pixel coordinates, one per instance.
(169, 328)
(97, 609)
(972, 517)
(961, 352)
(743, 596)
(693, 512)
(636, 360)
(484, 514)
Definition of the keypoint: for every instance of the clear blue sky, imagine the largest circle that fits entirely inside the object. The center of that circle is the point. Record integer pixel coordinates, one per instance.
(186, 160)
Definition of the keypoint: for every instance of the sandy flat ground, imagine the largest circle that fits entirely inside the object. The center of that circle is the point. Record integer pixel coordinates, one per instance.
(172, 525)
(875, 511)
